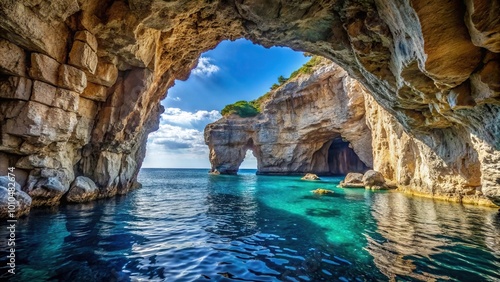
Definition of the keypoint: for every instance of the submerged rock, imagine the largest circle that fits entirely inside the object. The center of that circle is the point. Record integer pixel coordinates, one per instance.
(352, 180)
(83, 189)
(214, 172)
(321, 191)
(310, 176)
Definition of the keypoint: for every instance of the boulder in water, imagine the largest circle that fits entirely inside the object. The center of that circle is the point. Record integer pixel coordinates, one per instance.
(353, 180)
(14, 203)
(310, 176)
(374, 180)
(83, 189)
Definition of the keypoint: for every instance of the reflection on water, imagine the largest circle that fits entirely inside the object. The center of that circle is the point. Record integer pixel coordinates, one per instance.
(186, 225)
(418, 238)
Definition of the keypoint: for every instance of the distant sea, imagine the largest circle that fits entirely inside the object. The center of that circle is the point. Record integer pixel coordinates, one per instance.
(187, 225)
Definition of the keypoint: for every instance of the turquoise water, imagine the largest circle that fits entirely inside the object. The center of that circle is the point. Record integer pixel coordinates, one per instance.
(186, 225)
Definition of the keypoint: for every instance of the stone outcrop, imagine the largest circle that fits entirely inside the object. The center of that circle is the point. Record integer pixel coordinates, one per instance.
(13, 201)
(374, 180)
(431, 68)
(83, 189)
(352, 180)
(299, 123)
(310, 176)
(371, 180)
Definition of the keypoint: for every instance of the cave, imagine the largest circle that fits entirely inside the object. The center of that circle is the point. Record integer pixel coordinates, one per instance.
(342, 159)
(111, 63)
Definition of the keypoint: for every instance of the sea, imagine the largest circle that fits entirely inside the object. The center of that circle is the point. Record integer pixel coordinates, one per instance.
(188, 225)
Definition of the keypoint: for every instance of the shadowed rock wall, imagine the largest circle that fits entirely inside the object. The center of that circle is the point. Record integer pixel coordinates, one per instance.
(81, 80)
(342, 159)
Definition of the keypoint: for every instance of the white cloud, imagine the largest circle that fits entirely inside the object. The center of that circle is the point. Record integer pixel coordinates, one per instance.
(179, 117)
(205, 67)
(176, 146)
(172, 137)
(179, 141)
(181, 132)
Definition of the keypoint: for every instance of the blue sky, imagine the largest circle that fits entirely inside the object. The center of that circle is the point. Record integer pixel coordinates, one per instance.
(233, 71)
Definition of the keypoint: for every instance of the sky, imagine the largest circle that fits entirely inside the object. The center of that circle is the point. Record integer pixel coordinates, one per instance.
(233, 71)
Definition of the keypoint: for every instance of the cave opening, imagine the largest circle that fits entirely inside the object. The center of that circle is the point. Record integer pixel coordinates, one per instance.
(249, 160)
(342, 159)
(230, 72)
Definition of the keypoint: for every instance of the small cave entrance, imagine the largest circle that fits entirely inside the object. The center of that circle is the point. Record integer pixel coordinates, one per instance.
(342, 159)
(250, 161)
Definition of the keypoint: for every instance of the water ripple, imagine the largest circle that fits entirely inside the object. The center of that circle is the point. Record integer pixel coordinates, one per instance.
(185, 225)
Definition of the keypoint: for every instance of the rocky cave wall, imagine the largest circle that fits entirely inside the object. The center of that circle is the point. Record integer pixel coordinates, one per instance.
(342, 159)
(81, 81)
(297, 125)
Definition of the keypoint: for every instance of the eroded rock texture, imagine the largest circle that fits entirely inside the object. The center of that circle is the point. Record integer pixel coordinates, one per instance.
(306, 125)
(81, 81)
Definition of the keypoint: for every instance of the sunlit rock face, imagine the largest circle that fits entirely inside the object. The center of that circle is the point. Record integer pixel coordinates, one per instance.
(301, 129)
(81, 81)
(437, 165)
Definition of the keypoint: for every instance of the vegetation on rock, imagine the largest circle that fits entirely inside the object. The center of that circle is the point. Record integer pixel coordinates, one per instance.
(241, 108)
(307, 68)
(253, 108)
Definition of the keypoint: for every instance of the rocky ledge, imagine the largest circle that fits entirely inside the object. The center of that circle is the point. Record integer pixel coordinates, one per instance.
(372, 180)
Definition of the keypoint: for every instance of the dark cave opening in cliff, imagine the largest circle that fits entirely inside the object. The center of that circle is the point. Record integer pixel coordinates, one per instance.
(342, 159)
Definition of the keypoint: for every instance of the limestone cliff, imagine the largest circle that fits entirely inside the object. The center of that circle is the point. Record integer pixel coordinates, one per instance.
(81, 80)
(306, 125)
(327, 107)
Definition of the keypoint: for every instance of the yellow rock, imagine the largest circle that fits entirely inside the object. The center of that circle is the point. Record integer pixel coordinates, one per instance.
(321, 191)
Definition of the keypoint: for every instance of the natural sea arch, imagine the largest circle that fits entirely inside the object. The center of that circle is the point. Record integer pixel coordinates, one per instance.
(438, 85)
(248, 161)
(232, 70)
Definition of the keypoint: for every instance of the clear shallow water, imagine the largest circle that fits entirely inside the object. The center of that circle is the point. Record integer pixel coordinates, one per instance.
(186, 225)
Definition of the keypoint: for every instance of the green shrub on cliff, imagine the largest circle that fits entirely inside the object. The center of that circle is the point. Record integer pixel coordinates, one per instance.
(253, 108)
(307, 68)
(282, 80)
(257, 103)
(241, 108)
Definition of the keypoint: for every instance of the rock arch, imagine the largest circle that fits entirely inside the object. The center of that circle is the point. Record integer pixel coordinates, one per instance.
(227, 157)
(103, 67)
(297, 125)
